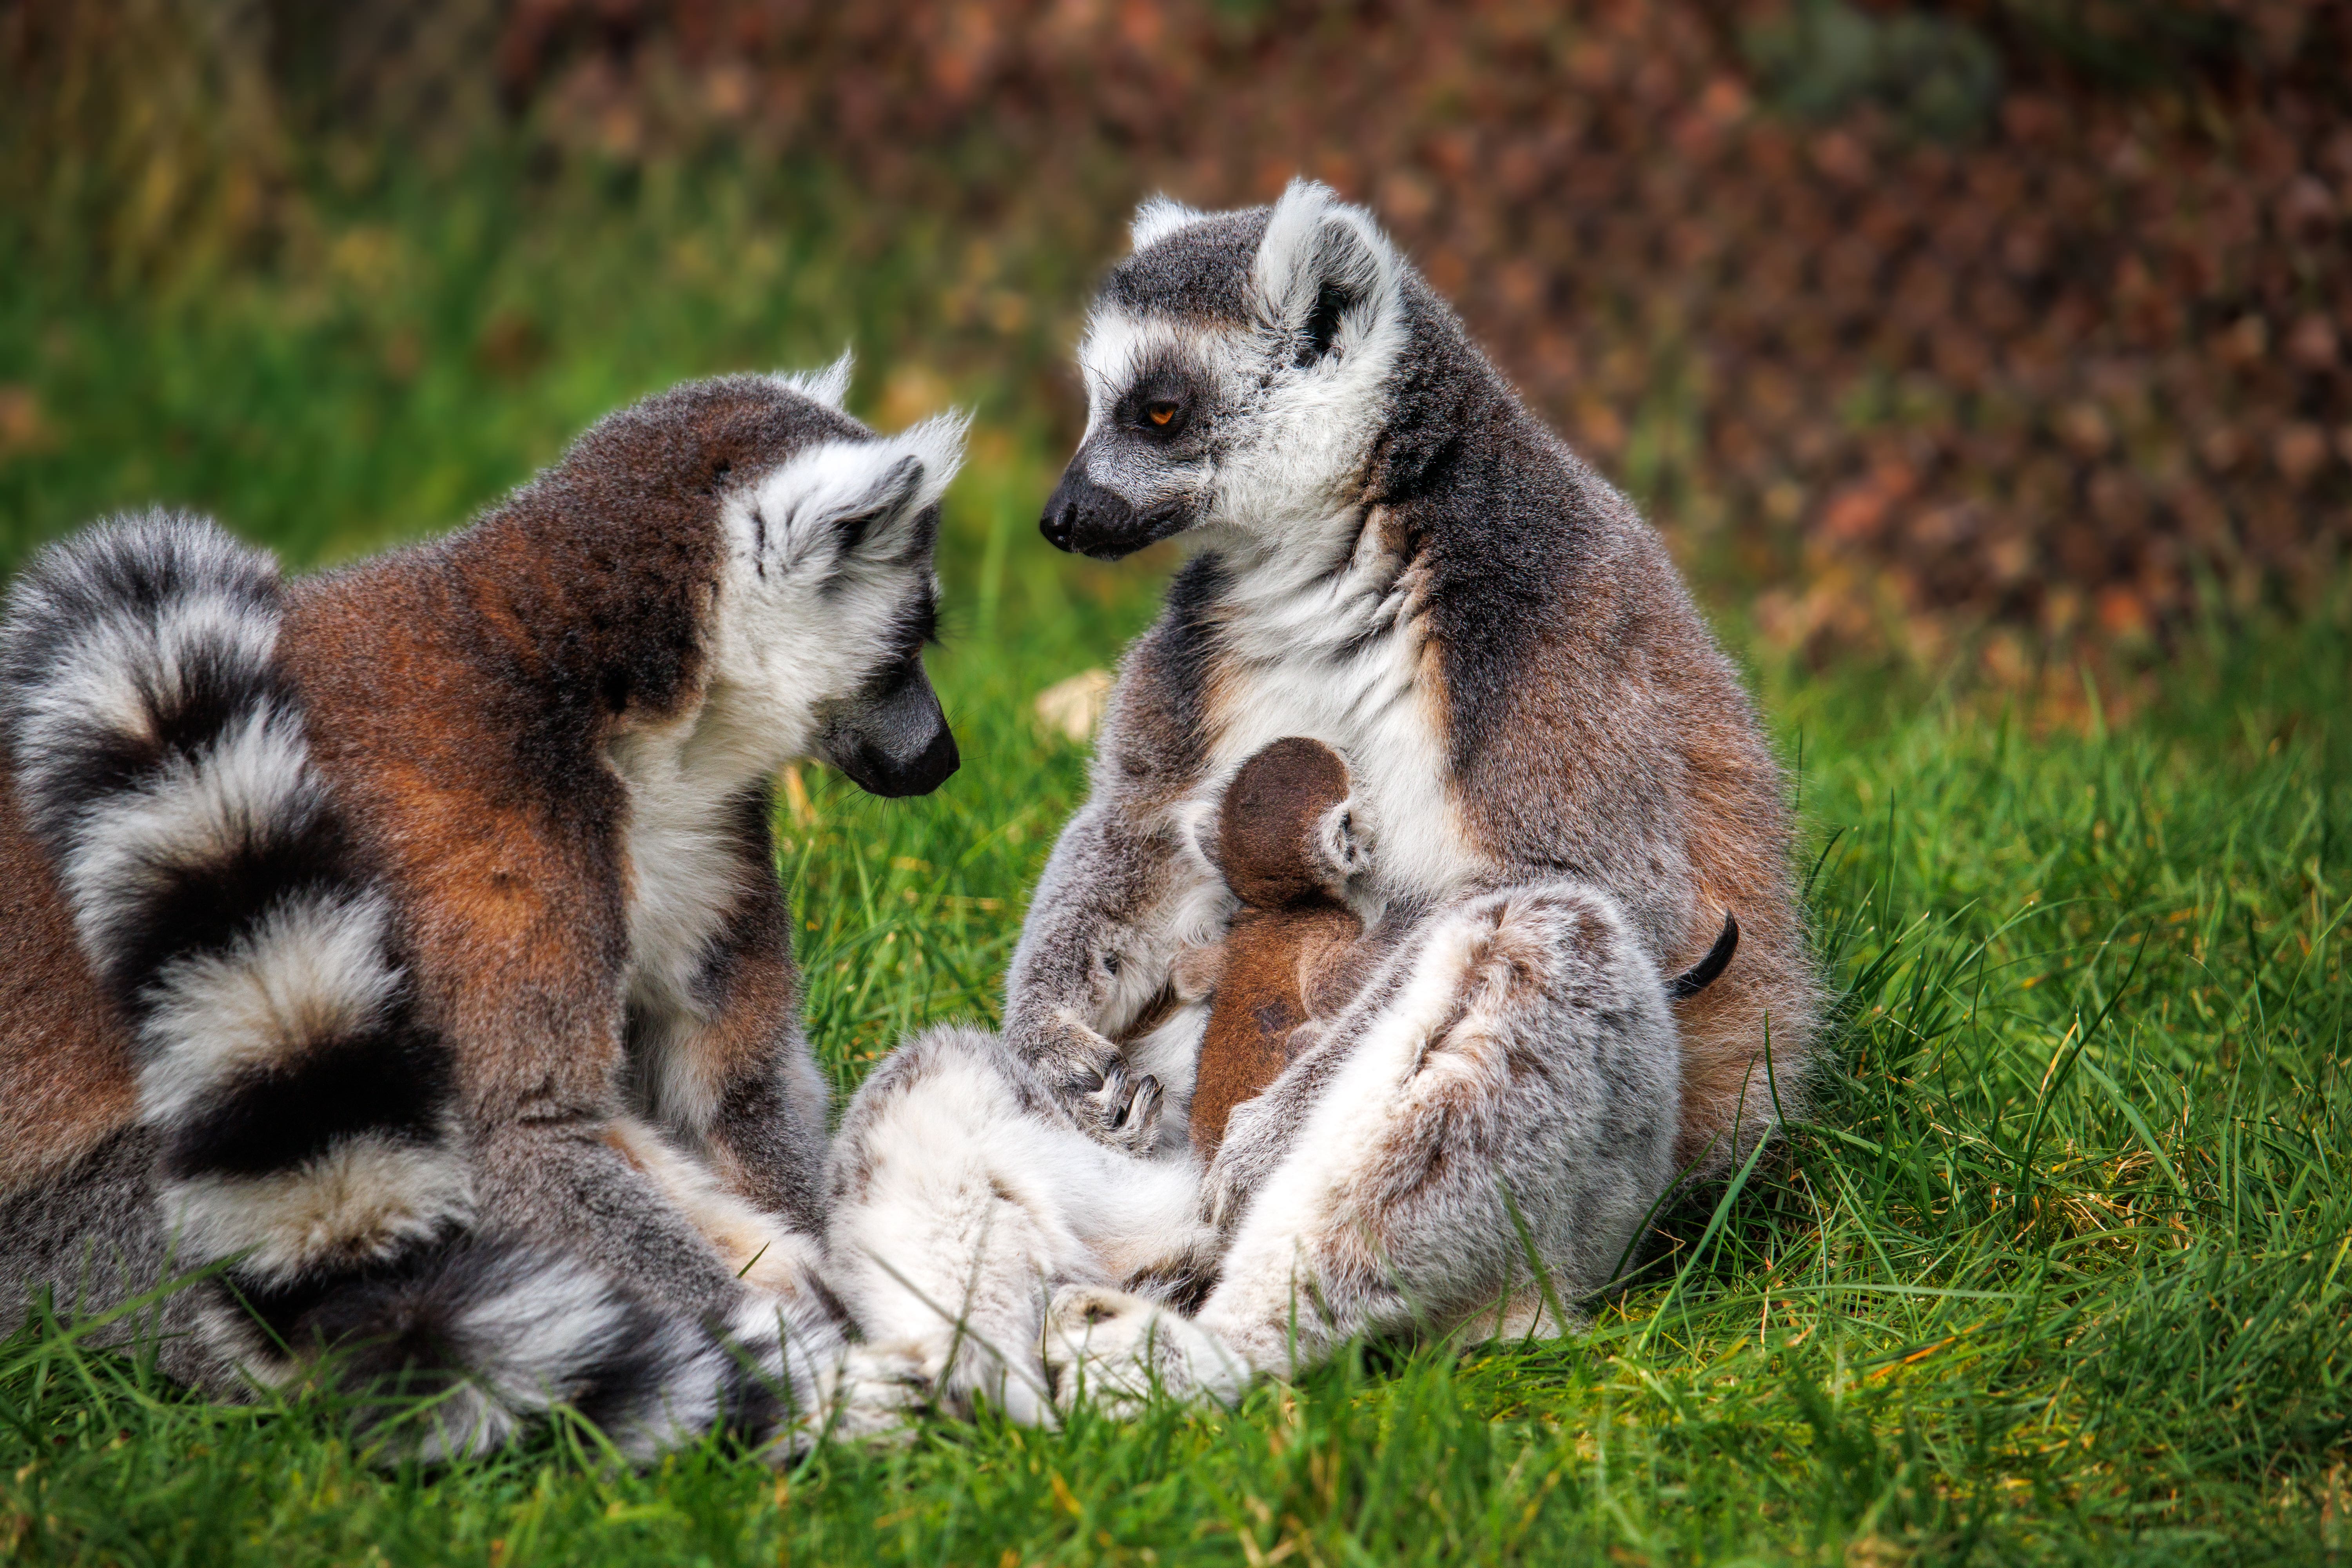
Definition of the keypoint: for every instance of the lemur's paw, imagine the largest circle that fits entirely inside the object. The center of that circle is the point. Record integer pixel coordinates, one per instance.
(1095, 1086)
(868, 1396)
(1343, 843)
(1112, 1350)
(1124, 1112)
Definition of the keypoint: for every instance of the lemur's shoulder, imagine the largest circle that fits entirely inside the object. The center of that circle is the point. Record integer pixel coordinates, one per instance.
(1580, 679)
(463, 696)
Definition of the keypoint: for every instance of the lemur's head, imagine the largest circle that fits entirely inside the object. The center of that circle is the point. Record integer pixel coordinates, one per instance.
(816, 535)
(1237, 369)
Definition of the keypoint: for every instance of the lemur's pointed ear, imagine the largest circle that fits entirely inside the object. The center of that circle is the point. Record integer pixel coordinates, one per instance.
(906, 476)
(843, 503)
(1325, 273)
(894, 487)
(829, 386)
(1159, 218)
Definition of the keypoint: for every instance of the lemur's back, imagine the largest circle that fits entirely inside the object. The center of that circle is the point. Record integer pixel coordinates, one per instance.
(1626, 749)
(315, 972)
(65, 1056)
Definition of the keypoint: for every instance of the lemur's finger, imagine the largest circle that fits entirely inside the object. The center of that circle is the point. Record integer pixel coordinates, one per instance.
(1145, 1108)
(1118, 1095)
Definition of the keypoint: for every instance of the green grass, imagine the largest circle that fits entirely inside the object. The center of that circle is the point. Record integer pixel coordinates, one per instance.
(2059, 1272)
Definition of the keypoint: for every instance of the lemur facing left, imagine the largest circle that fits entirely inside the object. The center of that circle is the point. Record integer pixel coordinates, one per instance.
(403, 945)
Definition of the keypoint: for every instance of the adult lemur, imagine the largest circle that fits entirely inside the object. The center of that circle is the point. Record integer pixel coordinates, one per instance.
(404, 944)
(1569, 790)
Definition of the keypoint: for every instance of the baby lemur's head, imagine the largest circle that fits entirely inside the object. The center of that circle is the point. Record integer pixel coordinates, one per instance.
(1275, 826)
(749, 542)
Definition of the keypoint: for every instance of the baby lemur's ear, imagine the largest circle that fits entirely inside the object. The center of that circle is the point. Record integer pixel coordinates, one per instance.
(1325, 274)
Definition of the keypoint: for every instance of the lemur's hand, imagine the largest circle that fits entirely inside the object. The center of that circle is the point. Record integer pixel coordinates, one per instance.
(1124, 1111)
(1108, 1101)
(1194, 975)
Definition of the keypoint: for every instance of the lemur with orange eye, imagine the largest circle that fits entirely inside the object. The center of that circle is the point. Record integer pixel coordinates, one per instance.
(1568, 786)
(401, 947)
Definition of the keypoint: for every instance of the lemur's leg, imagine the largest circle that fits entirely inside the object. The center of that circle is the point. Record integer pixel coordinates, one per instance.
(1126, 893)
(562, 1162)
(963, 1193)
(1512, 1070)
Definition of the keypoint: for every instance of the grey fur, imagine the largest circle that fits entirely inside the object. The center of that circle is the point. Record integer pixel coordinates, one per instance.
(1398, 560)
(90, 1236)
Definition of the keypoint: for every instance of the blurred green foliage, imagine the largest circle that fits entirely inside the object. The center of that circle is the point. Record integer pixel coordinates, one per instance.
(1935, 76)
(1900, 317)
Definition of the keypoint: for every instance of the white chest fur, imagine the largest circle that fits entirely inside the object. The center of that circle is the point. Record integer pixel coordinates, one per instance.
(686, 876)
(1338, 655)
(1334, 653)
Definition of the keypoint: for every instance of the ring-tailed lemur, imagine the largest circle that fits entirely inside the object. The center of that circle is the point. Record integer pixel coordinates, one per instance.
(403, 943)
(1568, 784)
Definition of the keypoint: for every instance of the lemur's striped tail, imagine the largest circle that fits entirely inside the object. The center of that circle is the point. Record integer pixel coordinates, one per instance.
(307, 1120)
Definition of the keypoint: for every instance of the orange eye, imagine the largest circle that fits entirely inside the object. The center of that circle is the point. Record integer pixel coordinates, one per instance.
(1160, 413)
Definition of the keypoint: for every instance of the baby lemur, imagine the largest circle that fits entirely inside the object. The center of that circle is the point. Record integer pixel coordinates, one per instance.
(1288, 842)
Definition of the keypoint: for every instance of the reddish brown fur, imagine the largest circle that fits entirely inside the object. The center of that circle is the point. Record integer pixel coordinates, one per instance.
(1287, 943)
(461, 699)
(515, 907)
(65, 1056)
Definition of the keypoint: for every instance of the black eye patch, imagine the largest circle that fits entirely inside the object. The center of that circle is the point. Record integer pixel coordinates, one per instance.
(915, 623)
(1163, 402)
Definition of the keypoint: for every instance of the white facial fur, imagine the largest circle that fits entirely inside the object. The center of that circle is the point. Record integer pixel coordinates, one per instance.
(1286, 444)
(801, 622)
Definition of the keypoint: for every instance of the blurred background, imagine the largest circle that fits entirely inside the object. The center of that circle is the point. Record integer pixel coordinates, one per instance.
(2006, 338)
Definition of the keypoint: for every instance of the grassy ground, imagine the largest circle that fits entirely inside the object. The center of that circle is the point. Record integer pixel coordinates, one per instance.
(2058, 1273)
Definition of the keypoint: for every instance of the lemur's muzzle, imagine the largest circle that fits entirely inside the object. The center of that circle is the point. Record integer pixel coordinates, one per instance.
(1084, 516)
(894, 741)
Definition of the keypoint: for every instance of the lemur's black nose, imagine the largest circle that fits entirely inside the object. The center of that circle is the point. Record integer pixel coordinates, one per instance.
(1084, 516)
